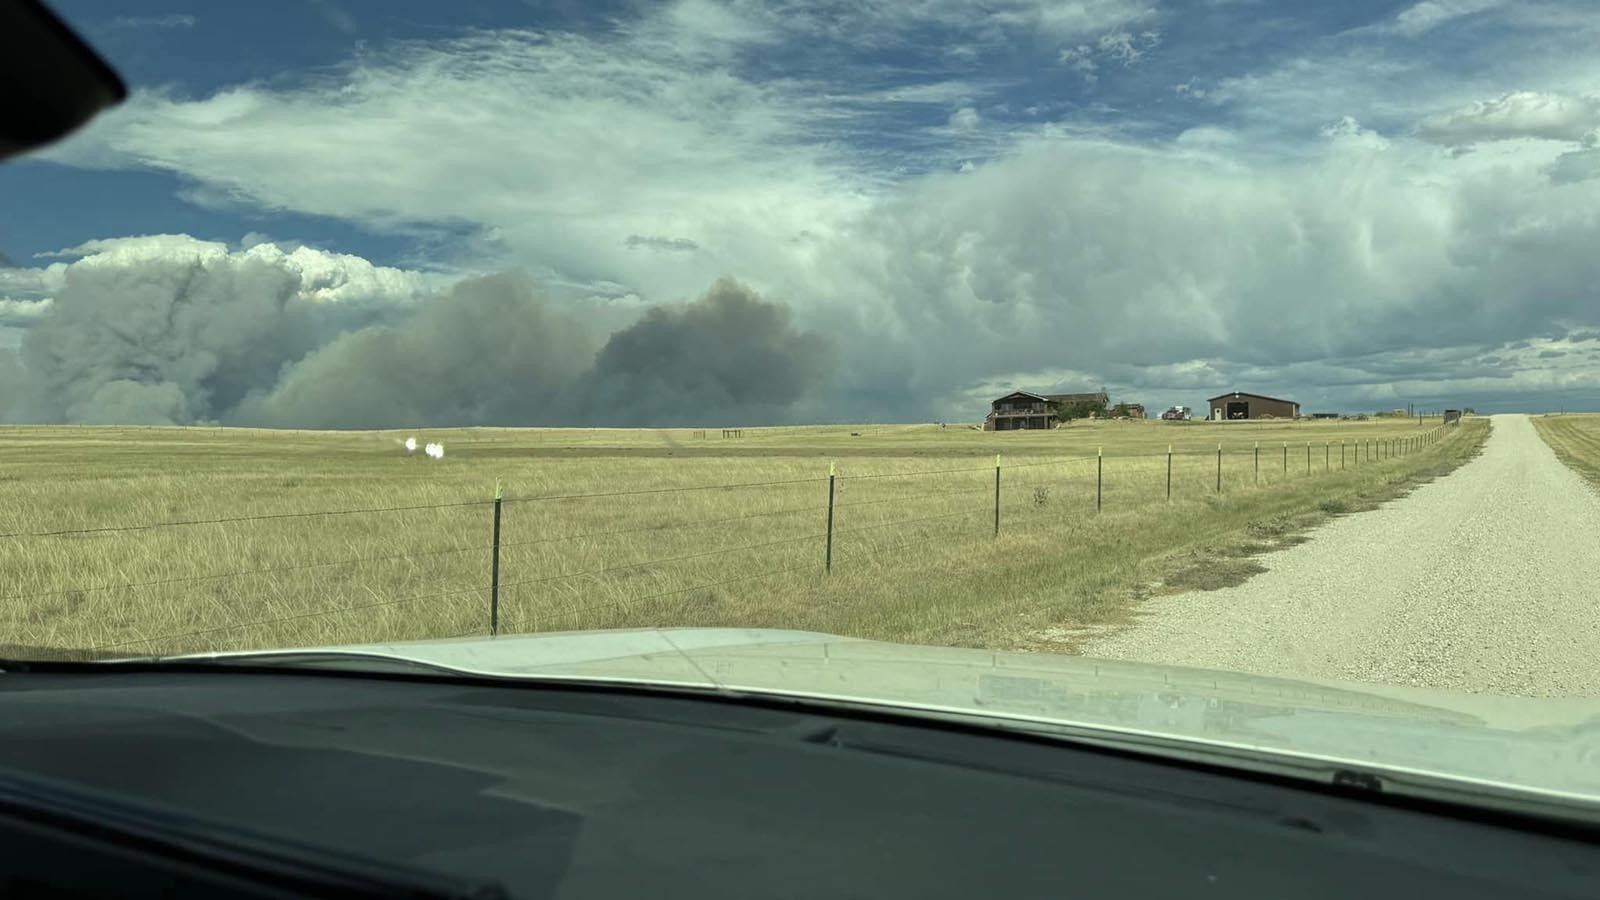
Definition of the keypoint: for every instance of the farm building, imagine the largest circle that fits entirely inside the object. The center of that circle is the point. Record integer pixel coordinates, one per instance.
(1021, 410)
(1241, 405)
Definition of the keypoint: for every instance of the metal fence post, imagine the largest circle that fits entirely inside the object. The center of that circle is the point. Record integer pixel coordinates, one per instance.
(1099, 475)
(1308, 457)
(1327, 457)
(1169, 473)
(827, 557)
(1219, 468)
(494, 565)
(1285, 457)
(997, 495)
(1258, 462)
(1341, 454)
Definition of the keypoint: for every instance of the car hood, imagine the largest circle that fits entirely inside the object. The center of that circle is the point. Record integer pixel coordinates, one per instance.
(1544, 747)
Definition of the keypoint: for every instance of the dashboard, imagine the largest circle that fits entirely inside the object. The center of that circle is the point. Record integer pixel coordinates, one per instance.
(248, 783)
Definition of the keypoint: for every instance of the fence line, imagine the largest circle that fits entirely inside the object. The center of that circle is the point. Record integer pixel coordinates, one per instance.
(694, 523)
(661, 562)
(1374, 450)
(295, 567)
(902, 498)
(227, 520)
(543, 498)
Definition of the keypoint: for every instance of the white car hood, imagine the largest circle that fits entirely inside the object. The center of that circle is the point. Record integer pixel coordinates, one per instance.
(1549, 748)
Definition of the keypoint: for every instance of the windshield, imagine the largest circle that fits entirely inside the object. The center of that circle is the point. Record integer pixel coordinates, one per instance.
(1251, 337)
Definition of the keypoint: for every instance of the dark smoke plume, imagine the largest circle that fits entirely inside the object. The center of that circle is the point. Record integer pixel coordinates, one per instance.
(248, 339)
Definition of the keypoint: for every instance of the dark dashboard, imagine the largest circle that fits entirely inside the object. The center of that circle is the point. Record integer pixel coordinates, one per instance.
(255, 784)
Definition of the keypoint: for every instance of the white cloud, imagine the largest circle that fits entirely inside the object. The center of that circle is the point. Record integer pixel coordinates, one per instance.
(17, 313)
(557, 142)
(169, 20)
(964, 119)
(643, 168)
(1427, 15)
(1122, 47)
(1126, 47)
(321, 276)
(1519, 114)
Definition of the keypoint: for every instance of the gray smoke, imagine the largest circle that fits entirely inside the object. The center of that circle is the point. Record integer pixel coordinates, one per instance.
(493, 351)
(729, 357)
(170, 340)
(247, 339)
(490, 351)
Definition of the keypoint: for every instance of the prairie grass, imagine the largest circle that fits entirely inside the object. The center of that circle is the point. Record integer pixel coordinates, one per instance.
(1576, 441)
(285, 538)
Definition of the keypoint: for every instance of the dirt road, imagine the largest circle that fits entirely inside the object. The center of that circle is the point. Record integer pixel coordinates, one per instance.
(1487, 580)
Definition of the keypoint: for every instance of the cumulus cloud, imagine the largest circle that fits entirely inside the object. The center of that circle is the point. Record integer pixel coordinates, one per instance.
(964, 119)
(1350, 262)
(1519, 114)
(19, 313)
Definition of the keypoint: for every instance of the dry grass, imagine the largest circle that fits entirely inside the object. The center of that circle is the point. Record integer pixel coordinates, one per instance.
(1576, 441)
(613, 528)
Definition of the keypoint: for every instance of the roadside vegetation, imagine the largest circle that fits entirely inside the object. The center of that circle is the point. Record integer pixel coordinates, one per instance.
(1575, 440)
(133, 541)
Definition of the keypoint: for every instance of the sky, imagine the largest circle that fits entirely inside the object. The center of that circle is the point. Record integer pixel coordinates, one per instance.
(328, 213)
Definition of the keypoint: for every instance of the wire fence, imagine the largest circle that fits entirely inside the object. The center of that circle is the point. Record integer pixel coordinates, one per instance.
(558, 560)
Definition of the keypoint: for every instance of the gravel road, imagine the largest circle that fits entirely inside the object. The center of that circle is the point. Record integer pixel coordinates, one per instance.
(1486, 580)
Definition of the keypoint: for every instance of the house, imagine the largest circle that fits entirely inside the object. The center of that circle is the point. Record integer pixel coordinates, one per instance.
(1242, 405)
(1128, 411)
(1020, 410)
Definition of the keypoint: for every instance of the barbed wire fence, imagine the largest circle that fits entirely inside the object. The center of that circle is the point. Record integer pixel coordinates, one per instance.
(543, 583)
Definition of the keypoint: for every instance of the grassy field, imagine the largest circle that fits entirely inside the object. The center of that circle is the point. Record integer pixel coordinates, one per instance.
(1575, 439)
(132, 541)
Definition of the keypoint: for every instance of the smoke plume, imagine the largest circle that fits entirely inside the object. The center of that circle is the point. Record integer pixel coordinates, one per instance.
(169, 330)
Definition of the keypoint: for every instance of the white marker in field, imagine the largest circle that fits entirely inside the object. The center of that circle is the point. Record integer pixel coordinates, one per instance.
(434, 451)
(411, 445)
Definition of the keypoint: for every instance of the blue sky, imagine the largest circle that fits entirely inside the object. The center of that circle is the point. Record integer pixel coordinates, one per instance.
(1359, 204)
(1012, 78)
